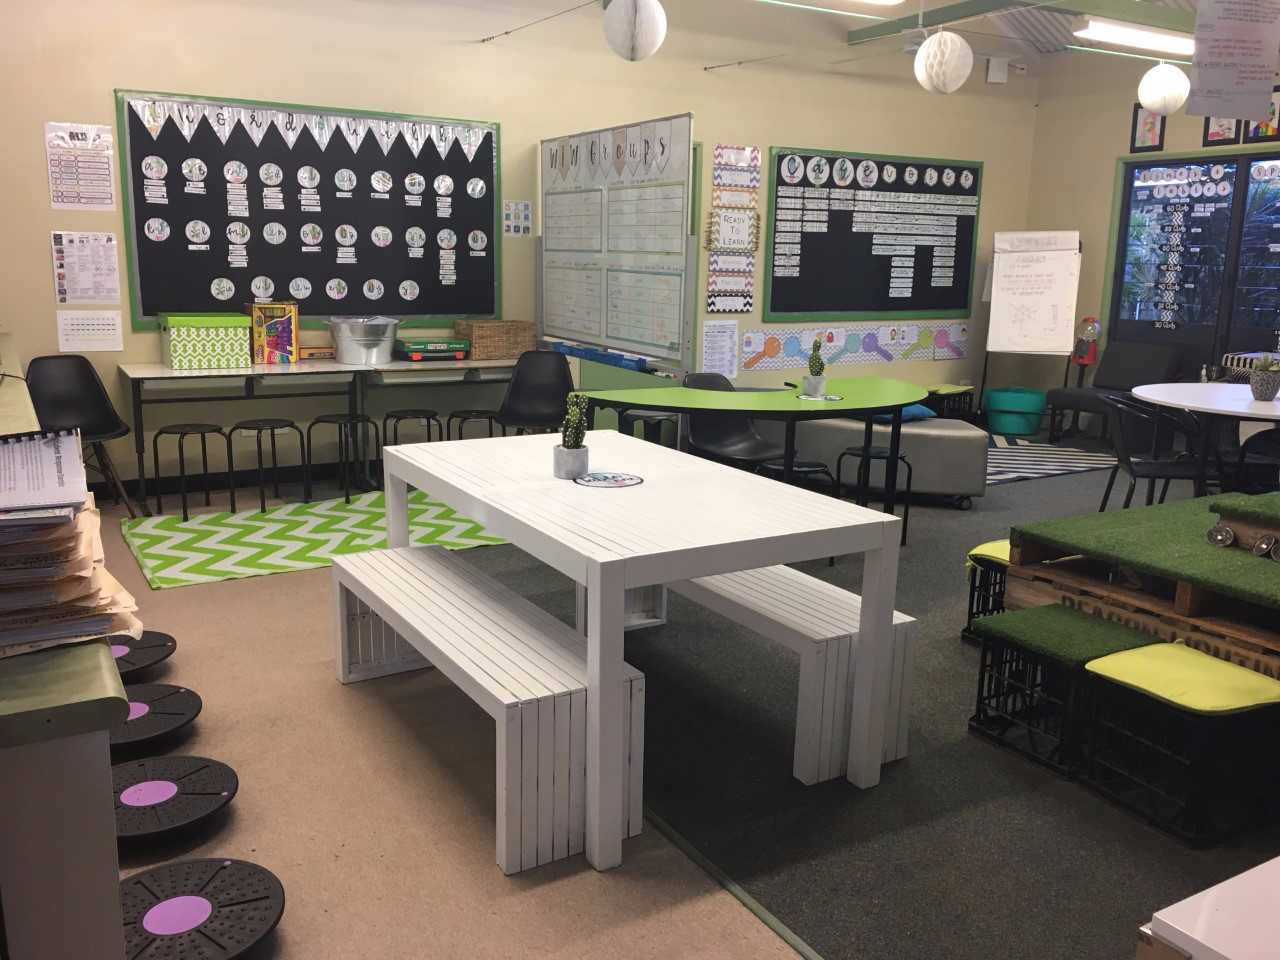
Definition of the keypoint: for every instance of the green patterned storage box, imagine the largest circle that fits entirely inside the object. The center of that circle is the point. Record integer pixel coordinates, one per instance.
(206, 341)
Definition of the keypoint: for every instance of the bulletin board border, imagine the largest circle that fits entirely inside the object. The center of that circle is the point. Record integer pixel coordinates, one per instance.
(142, 323)
(838, 316)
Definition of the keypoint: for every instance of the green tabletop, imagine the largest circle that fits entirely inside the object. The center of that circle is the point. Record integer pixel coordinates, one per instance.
(855, 393)
(59, 693)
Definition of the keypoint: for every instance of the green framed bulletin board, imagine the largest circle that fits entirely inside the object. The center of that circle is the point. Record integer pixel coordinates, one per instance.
(348, 212)
(859, 236)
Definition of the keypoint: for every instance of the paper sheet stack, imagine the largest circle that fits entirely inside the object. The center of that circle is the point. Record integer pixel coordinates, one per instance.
(54, 589)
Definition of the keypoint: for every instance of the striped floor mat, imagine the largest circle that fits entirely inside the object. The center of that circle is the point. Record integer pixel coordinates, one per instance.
(1010, 459)
(295, 536)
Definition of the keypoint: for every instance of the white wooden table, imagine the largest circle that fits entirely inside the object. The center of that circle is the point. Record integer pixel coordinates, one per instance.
(1234, 920)
(690, 518)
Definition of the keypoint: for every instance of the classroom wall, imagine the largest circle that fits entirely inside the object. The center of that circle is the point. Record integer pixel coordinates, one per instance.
(421, 57)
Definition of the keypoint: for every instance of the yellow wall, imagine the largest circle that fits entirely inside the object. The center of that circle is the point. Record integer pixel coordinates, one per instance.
(421, 57)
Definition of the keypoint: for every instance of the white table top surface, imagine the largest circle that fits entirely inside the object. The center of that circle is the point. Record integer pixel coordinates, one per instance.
(159, 371)
(685, 502)
(1227, 399)
(1234, 920)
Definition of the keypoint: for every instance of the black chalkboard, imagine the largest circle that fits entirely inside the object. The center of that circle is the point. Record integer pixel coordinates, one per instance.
(860, 236)
(175, 274)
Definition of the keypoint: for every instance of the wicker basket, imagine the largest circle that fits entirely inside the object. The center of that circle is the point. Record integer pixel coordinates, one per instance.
(496, 339)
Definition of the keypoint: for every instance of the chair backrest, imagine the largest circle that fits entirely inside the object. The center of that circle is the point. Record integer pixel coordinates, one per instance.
(712, 431)
(1126, 364)
(538, 388)
(68, 394)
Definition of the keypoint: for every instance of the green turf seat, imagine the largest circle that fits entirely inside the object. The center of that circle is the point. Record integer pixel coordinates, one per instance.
(1061, 633)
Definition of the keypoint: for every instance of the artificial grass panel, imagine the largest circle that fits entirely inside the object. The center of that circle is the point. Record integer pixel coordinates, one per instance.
(1061, 633)
(1167, 540)
(1262, 509)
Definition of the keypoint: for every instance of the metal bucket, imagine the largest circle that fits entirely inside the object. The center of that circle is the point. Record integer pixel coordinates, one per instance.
(363, 341)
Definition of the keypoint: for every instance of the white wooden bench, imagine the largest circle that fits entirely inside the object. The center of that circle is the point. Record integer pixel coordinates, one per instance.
(410, 608)
(813, 618)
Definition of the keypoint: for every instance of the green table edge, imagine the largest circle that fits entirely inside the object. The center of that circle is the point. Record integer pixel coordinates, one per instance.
(858, 395)
(60, 692)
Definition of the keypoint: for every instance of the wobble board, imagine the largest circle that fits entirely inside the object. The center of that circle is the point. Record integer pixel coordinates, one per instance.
(856, 236)
(348, 212)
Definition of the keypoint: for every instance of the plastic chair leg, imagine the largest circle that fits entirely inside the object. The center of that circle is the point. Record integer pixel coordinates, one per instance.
(1128, 497)
(1164, 491)
(1106, 494)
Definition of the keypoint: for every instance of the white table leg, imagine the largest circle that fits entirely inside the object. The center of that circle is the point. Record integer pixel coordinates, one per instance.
(59, 874)
(605, 703)
(397, 497)
(872, 662)
(580, 608)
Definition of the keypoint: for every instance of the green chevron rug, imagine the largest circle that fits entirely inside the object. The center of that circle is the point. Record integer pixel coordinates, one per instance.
(297, 536)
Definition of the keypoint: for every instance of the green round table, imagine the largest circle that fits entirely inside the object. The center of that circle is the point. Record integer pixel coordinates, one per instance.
(857, 396)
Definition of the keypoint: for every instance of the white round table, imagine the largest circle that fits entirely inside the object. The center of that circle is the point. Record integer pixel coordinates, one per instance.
(1217, 401)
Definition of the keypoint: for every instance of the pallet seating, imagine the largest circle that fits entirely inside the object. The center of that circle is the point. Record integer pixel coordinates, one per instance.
(988, 565)
(813, 618)
(410, 608)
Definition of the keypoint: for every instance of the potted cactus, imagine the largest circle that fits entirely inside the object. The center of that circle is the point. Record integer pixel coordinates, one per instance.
(1264, 378)
(815, 384)
(570, 454)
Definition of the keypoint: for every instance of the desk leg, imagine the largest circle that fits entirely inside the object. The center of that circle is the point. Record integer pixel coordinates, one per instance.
(580, 608)
(397, 499)
(1208, 440)
(605, 704)
(59, 874)
(789, 452)
(891, 465)
(872, 660)
(140, 445)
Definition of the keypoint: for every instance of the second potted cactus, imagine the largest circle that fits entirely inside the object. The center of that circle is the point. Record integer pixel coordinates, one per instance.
(570, 455)
(815, 384)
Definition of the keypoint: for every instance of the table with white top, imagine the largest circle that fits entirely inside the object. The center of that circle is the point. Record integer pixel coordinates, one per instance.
(689, 518)
(1234, 920)
(1216, 401)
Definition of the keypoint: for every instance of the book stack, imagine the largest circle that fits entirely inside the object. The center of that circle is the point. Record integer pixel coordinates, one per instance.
(54, 587)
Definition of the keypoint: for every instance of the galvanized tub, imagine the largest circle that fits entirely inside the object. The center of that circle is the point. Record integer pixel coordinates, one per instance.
(363, 341)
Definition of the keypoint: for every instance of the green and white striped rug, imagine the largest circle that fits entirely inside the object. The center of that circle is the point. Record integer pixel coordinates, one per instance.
(297, 536)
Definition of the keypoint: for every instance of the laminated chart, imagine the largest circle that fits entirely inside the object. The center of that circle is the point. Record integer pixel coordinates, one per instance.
(856, 344)
(615, 237)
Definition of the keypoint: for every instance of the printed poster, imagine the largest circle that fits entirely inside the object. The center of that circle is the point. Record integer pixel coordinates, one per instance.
(81, 166)
(85, 267)
(1237, 46)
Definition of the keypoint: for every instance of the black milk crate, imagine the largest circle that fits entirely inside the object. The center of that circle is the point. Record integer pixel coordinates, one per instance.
(986, 592)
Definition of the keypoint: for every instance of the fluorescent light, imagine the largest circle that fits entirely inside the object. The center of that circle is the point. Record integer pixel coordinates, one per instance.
(1131, 35)
(843, 13)
(1121, 53)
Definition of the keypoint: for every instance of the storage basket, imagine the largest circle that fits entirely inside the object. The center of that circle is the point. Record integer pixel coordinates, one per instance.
(206, 341)
(1014, 411)
(496, 339)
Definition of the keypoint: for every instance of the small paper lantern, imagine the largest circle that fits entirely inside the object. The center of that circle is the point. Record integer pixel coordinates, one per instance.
(943, 62)
(635, 29)
(1163, 89)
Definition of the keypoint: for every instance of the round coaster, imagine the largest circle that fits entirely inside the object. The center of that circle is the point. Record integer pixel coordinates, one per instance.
(199, 909)
(602, 478)
(133, 655)
(155, 709)
(162, 794)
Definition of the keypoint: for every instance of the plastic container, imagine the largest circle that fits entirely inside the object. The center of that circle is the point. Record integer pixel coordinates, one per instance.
(364, 341)
(206, 341)
(1014, 411)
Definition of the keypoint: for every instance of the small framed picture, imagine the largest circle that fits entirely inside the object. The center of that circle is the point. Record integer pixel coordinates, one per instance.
(1268, 130)
(1147, 133)
(1220, 131)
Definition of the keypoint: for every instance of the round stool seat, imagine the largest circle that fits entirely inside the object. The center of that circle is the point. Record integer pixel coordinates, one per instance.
(413, 413)
(155, 710)
(173, 428)
(798, 466)
(160, 795)
(199, 909)
(133, 656)
(875, 453)
(472, 414)
(267, 423)
(342, 418)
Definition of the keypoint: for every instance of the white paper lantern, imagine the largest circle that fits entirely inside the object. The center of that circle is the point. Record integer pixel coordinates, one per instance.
(1163, 89)
(635, 29)
(943, 62)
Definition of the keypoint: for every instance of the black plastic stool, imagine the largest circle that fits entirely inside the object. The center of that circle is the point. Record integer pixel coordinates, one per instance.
(270, 426)
(463, 417)
(392, 421)
(864, 478)
(652, 423)
(347, 424)
(182, 431)
(800, 470)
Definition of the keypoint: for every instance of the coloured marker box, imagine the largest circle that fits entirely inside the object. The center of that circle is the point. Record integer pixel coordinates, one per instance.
(432, 348)
(275, 332)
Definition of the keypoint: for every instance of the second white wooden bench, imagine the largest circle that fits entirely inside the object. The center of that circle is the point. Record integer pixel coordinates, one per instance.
(813, 618)
(409, 608)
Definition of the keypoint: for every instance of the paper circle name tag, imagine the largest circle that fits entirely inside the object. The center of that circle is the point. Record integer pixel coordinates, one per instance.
(608, 480)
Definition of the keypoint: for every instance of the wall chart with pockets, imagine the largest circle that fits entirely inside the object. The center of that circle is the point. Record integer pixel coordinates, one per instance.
(347, 212)
(859, 343)
(855, 236)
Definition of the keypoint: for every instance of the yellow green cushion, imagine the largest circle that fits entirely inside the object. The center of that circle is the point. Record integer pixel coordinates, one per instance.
(997, 550)
(1188, 678)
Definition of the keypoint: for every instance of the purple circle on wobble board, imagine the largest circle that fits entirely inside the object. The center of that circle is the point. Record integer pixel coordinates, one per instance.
(137, 710)
(119, 650)
(149, 793)
(168, 918)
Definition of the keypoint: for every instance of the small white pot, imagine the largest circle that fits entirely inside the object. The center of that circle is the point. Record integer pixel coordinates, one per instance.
(815, 386)
(570, 464)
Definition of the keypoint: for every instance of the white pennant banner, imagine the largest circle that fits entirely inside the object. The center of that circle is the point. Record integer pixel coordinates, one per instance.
(321, 126)
(255, 120)
(185, 116)
(385, 132)
(444, 135)
(221, 119)
(151, 113)
(415, 135)
(354, 129)
(471, 143)
(290, 125)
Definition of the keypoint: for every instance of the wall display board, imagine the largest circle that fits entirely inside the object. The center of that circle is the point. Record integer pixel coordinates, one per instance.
(1256, 303)
(856, 236)
(856, 344)
(615, 238)
(347, 212)
(1035, 278)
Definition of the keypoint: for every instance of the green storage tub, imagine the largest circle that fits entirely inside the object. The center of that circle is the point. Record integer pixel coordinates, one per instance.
(206, 341)
(1014, 411)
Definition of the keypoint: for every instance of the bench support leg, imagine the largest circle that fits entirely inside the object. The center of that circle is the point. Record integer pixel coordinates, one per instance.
(509, 790)
(397, 499)
(366, 646)
(872, 663)
(604, 715)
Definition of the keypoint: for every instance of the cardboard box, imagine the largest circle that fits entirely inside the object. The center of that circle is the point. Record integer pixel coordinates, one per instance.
(206, 341)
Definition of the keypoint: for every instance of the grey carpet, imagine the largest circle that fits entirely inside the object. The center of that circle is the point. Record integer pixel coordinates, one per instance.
(964, 850)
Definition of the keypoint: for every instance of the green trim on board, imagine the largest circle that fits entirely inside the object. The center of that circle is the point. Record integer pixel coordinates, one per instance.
(139, 322)
(732, 887)
(856, 393)
(767, 315)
